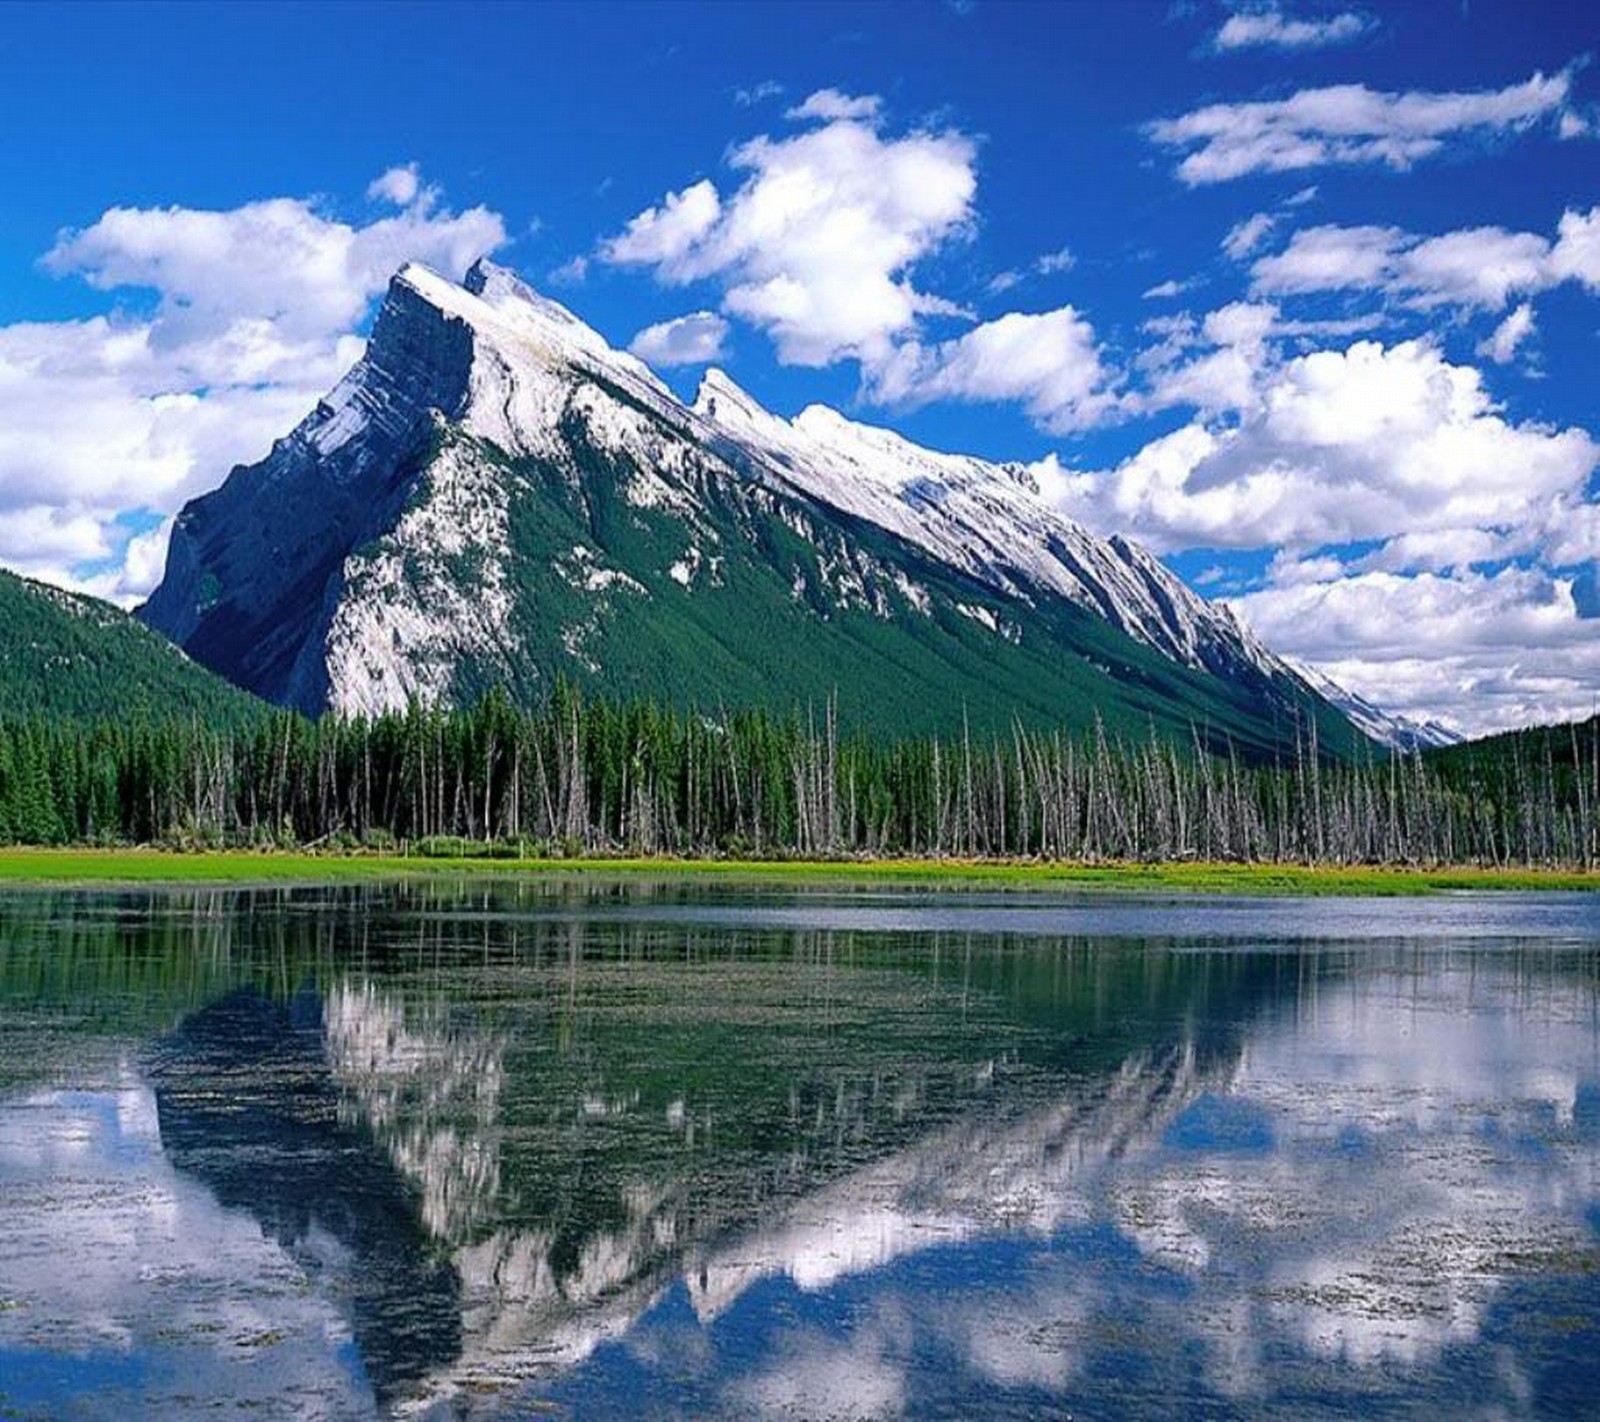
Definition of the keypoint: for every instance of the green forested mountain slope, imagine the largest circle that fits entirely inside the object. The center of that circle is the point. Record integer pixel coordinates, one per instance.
(789, 609)
(64, 655)
(1567, 755)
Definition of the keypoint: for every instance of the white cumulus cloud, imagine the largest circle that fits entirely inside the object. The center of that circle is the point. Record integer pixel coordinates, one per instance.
(830, 104)
(1336, 446)
(817, 244)
(399, 185)
(1477, 268)
(1232, 342)
(1049, 362)
(1432, 553)
(1483, 650)
(668, 236)
(696, 339)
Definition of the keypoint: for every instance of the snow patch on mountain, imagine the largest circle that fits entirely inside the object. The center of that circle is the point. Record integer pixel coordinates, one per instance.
(430, 595)
(533, 359)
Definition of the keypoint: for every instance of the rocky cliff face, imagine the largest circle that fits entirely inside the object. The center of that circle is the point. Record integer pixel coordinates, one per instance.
(494, 496)
(255, 569)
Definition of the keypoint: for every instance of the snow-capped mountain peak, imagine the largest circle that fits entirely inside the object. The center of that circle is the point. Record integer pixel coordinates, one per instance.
(494, 495)
(523, 328)
(722, 399)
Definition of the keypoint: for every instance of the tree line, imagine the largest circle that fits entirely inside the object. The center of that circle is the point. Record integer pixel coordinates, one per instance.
(574, 776)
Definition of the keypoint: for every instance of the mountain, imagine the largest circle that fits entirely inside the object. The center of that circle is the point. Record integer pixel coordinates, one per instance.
(494, 496)
(68, 655)
(1385, 727)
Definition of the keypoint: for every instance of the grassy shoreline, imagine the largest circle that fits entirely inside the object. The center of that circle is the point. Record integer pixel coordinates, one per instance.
(122, 867)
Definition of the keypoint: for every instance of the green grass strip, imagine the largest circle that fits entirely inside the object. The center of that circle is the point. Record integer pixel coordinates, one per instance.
(152, 866)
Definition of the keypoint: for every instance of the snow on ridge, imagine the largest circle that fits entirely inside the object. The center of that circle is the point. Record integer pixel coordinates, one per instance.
(1388, 728)
(529, 354)
(986, 519)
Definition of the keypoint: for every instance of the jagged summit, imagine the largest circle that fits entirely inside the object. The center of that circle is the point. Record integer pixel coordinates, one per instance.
(726, 404)
(513, 322)
(507, 293)
(494, 495)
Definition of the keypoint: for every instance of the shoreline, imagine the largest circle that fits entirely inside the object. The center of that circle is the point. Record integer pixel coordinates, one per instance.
(121, 868)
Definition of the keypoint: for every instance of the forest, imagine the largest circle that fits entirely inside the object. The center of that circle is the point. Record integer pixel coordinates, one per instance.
(577, 776)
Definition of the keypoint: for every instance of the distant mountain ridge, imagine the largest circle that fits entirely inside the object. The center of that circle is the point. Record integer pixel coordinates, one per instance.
(1400, 733)
(495, 496)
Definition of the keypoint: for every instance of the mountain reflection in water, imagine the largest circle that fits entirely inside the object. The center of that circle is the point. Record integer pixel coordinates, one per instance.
(246, 1104)
(699, 1152)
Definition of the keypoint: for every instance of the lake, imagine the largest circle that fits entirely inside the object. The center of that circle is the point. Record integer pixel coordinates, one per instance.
(655, 1149)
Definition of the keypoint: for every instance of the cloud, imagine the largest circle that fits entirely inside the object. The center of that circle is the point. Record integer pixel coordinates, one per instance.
(1479, 268)
(757, 93)
(1166, 290)
(1224, 378)
(1369, 443)
(1350, 124)
(1244, 237)
(1376, 471)
(256, 313)
(1487, 650)
(1049, 362)
(570, 273)
(1476, 267)
(1329, 258)
(279, 263)
(830, 105)
(399, 186)
(819, 247)
(143, 561)
(138, 1217)
(1270, 28)
(1501, 347)
(817, 244)
(696, 339)
(1576, 254)
(1063, 259)
(669, 235)
(815, 1375)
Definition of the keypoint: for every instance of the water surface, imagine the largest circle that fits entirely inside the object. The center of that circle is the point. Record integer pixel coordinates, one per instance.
(501, 1150)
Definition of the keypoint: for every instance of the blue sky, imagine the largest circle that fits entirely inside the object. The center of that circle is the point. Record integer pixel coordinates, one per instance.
(1306, 297)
